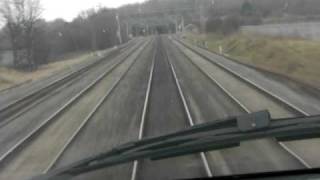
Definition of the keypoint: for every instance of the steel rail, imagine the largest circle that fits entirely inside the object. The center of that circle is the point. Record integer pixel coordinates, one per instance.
(244, 108)
(87, 119)
(46, 122)
(19, 104)
(187, 111)
(144, 113)
(253, 84)
(20, 112)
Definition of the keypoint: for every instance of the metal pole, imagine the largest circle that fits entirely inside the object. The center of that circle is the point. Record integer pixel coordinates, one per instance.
(127, 25)
(119, 29)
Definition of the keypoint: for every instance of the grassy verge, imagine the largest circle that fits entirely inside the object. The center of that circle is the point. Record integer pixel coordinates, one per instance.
(297, 59)
(10, 77)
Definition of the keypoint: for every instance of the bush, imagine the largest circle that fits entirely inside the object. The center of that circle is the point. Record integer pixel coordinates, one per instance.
(226, 25)
(254, 20)
(247, 9)
(41, 45)
(231, 25)
(214, 24)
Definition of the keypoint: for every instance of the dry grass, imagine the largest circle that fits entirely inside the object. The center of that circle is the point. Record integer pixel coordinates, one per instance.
(11, 77)
(295, 58)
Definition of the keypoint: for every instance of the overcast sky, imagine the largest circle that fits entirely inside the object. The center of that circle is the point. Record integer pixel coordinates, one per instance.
(69, 9)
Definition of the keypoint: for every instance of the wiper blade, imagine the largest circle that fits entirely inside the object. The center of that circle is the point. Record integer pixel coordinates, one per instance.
(219, 134)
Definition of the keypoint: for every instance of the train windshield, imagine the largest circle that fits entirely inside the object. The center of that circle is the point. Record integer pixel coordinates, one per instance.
(80, 78)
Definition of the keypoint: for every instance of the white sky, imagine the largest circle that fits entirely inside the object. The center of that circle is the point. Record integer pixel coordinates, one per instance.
(69, 9)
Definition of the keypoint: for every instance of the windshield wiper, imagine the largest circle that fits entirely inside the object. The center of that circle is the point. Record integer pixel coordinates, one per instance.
(219, 134)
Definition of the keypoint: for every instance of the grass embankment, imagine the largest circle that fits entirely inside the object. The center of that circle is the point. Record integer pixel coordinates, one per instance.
(11, 77)
(297, 59)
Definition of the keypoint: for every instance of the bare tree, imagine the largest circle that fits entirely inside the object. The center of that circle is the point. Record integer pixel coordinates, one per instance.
(13, 25)
(32, 14)
(20, 17)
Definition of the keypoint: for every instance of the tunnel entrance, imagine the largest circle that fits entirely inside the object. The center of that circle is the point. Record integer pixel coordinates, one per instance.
(146, 30)
(165, 29)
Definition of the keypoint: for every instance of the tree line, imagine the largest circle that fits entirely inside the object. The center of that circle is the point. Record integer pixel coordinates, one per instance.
(33, 41)
(229, 15)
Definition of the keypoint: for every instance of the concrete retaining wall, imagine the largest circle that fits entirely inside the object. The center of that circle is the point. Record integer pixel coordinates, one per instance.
(310, 30)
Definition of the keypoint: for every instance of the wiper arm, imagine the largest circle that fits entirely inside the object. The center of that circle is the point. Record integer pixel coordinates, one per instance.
(219, 134)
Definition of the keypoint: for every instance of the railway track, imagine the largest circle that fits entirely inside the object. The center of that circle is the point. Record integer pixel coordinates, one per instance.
(21, 105)
(208, 102)
(267, 100)
(164, 106)
(41, 149)
(298, 100)
(117, 122)
(20, 127)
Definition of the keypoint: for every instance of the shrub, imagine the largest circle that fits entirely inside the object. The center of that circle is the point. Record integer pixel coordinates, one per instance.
(226, 25)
